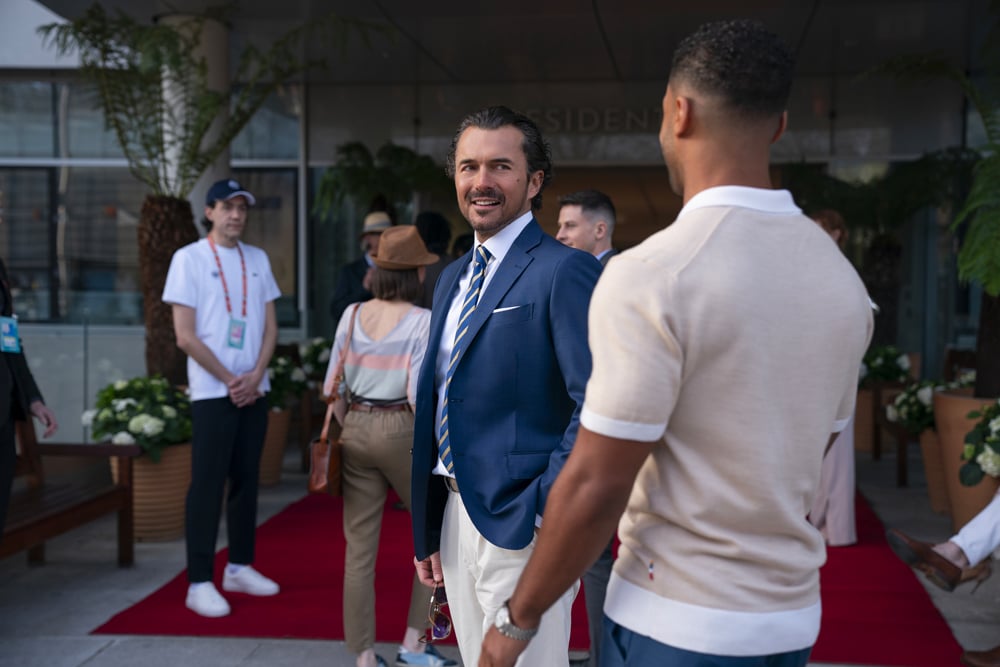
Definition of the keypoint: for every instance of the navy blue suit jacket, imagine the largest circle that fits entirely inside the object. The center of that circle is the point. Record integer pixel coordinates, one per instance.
(515, 397)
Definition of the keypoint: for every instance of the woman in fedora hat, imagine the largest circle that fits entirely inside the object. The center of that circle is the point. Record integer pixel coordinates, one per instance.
(382, 362)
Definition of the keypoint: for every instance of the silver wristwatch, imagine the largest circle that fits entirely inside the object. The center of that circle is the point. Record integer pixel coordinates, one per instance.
(507, 627)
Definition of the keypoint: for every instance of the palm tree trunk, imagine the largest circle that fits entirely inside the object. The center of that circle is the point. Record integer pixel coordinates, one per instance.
(988, 348)
(165, 224)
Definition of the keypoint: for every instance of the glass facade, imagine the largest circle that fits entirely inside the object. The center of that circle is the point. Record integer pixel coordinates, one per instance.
(70, 208)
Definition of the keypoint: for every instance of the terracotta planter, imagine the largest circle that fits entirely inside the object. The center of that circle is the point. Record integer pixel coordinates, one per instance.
(950, 410)
(930, 453)
(158, 493)
(275, 439)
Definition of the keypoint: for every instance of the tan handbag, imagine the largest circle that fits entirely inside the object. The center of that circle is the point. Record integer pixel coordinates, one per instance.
(324, 456)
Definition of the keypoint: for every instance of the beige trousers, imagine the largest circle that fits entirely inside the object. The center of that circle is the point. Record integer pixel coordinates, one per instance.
(479, 577)
(376, 449)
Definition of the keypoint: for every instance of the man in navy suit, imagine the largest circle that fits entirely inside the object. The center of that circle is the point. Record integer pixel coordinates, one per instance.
(500, 391)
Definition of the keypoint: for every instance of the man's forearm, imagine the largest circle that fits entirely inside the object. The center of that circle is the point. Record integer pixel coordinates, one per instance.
(581, 515)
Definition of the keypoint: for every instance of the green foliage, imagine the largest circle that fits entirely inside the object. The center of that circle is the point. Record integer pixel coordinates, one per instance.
(913, 408)
(288, 382)
(888, 201)
(982, 446)
(147, 411)
(359, 175)
(155, 94)
(884, 363)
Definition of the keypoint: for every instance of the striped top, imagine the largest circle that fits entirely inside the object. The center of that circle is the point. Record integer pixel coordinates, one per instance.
(383, 370)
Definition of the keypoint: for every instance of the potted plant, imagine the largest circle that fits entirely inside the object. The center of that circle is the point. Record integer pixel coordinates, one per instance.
(154, 414)
(883, 367)
(913, 410)
(288, 383)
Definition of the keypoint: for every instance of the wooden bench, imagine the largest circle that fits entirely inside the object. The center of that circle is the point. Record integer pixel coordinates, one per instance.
(43, 508)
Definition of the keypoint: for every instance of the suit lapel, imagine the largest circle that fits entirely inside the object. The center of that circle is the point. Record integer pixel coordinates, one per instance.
(513, 265)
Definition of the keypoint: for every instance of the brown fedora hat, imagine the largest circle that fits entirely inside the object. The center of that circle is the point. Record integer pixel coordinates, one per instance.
(402, 248)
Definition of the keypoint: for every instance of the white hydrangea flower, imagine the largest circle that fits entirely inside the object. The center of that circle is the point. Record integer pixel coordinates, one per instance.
(308, 368)
(146, 425)
(168, 411)
(926, 395)
(122, 404)
(122, 438)
(299, 375)
(904, 362)
(270, 373)
(87, 418)
(303, 350)
(324, 356)
(318, 340)
(995, 425)
(120, 385)
(989, 461)
(891, 414)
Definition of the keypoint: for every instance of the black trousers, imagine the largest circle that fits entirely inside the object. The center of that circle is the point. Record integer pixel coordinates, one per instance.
(8, 458)
(226, 446)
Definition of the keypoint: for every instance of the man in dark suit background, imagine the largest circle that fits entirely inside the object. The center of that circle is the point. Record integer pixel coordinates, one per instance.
(500, 391)
(354, 279)
(19, 395)
(587, 222)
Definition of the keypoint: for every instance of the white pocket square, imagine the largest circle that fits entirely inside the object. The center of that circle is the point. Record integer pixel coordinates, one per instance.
(501, 310)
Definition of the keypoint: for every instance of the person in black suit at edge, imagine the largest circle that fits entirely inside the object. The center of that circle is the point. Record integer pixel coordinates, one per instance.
(19, 395)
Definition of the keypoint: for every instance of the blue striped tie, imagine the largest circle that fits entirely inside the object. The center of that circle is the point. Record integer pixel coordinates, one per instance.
(480, 258)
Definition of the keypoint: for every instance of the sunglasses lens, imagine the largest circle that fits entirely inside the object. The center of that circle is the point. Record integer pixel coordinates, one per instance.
(441, 626)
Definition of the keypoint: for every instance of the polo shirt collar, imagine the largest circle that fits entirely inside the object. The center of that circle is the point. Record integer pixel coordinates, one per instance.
(778, 202)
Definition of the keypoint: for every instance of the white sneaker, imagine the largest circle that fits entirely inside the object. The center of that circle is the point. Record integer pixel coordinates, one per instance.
(250, 581)
(204, 600)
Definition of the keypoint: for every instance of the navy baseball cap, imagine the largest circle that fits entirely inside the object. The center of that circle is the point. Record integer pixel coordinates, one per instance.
(227, 189)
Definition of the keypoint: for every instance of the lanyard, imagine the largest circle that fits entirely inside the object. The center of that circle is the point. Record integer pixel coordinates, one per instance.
(222, 276)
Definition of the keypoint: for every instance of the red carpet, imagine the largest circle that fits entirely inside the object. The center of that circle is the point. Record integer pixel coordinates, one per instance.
(875, 612)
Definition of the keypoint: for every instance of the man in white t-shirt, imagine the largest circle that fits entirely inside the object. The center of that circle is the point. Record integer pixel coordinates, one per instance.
(222, 292)
(725, 350)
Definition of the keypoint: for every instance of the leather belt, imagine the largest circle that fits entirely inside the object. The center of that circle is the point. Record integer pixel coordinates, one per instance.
(364, 407)
(451, 483)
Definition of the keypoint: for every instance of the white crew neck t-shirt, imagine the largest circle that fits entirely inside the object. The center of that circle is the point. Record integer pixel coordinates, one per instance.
(193, 280)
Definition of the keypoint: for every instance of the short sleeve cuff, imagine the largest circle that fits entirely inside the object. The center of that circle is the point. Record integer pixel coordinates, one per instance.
(840, 425)
(623, 430)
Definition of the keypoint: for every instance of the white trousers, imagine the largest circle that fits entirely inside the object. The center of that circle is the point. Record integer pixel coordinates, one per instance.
(981, 536)
(479, 577)
(833, 507)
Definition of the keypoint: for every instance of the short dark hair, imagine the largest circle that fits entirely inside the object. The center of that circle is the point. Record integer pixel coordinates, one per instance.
(592, 201)
(401, 284)
(435, 230)
(741, 61)
(536, 149)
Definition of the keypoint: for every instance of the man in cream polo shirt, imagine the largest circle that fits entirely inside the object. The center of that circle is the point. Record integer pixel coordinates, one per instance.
(725, 354)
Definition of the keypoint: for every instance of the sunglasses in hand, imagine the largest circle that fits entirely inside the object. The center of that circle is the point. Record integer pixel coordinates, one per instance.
(440, 626)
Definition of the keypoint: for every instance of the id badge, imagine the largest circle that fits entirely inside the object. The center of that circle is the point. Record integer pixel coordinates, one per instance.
(237, 330)
(9, 340)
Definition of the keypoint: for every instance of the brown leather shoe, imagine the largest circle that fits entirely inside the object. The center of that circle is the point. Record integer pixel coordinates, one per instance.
(921, 555)
(989, 658)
